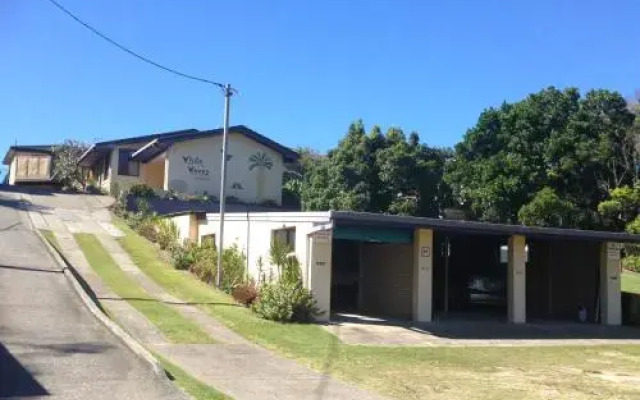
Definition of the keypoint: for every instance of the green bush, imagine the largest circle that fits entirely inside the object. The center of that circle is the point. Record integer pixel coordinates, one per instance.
(141, 190)
(233, 267)
(148, 228)
(205, 260)
(167, 233)
(286, 302)
(184, 256)
(631, 263)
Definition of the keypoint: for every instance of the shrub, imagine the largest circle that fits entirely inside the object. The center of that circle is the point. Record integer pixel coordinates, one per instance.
(205, 260)
(167, 233)
(233, 266)
(245, 293)
(183, 257)
(141, 190)
(148, 228)
(286, 302)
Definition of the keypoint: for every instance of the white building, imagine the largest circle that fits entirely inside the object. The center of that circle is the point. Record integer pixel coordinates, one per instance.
(417, 268)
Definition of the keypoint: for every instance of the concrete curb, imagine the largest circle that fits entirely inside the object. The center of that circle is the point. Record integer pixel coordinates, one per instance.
(74, 277)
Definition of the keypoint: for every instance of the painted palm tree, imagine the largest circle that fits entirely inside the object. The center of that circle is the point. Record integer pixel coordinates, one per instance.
(261, 162)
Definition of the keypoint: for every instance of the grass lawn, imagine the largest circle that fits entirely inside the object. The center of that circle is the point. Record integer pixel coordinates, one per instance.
(171, 323)
(194, 387)
(630, 282)
(415, 372)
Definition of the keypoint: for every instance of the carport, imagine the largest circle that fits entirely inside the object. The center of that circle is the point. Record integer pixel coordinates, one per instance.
(417, 268)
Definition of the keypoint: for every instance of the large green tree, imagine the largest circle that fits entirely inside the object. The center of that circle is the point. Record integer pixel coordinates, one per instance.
(374, 172)
(574, 146)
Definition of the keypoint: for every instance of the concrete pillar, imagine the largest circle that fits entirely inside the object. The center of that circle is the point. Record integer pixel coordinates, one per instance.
(516, 280)
(422, 275)
(610, 296)
(319, 270)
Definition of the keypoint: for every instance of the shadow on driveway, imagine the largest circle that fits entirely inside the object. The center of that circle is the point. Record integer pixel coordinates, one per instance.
(15, 380)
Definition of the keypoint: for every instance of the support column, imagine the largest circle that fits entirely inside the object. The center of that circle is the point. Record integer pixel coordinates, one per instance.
(319, 271)
(610, 296)
(516, 280)
(422, 275)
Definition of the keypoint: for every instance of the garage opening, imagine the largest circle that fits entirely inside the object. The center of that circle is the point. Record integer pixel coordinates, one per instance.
(563, 279)
(470, 276)
(372, 272)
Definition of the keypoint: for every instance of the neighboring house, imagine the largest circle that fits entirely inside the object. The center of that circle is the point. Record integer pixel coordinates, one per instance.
(29, 164)
(189, 161)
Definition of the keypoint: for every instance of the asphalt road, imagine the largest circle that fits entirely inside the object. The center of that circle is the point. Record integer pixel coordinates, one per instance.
(50, 345)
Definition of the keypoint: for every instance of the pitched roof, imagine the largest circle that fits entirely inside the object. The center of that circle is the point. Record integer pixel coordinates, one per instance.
(155, 144)
(44, 149)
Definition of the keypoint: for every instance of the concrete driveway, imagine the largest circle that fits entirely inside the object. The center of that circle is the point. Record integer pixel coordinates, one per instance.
(50, 345)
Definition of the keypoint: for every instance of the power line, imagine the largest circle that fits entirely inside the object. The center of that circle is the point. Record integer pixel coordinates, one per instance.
(133, 53)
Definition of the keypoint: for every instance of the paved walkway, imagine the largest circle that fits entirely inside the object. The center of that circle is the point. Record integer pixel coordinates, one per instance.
(233, 365)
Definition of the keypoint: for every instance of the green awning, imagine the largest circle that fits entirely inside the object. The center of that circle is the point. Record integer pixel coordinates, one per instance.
(375, 235)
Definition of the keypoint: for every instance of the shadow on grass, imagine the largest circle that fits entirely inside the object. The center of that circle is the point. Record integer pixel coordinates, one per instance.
(176, 303)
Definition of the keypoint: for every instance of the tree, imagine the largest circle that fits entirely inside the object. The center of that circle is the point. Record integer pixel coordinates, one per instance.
(552, 139)
(376, 172)
(547, 209)
(66, 170)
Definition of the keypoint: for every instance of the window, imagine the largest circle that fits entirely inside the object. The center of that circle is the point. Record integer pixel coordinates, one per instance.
(210, 239)
(286, 236)
(125, 165)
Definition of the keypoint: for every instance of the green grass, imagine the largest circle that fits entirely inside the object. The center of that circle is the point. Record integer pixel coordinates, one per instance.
(51, 238)
(170, 322)
(414, 372)
(192, 386)
(630, 282)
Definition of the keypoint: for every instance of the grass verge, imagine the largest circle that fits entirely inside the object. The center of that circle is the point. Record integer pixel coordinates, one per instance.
(170, 322)
(189, 384)
(592, 372)
(630, 282)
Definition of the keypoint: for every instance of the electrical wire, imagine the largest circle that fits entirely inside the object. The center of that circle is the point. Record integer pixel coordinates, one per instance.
(133, 53)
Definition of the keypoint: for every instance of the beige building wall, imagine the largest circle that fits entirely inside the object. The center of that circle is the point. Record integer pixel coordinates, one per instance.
(194, 168)
(120, 181)
(610, 291)
(517, 280)
(30, 167)
(152, 173)
(12, 171)
(253, 234)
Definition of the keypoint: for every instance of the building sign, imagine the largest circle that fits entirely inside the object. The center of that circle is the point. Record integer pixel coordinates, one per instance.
(196, 167)
(425, 251)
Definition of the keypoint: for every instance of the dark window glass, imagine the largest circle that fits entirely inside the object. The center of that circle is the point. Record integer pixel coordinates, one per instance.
(125, 165)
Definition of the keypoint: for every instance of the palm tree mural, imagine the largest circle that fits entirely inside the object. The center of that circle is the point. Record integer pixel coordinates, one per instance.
(261, 162)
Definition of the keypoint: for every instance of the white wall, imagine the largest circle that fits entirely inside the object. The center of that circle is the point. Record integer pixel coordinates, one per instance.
(194, 168)
(122, 181)
(252, 233)
(183, 224)
(12, 170)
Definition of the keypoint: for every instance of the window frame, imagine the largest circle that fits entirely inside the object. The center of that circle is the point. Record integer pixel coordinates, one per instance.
(289, 235)
(124, 156)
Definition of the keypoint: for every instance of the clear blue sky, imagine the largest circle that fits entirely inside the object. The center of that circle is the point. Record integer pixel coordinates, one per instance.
(304, 70)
